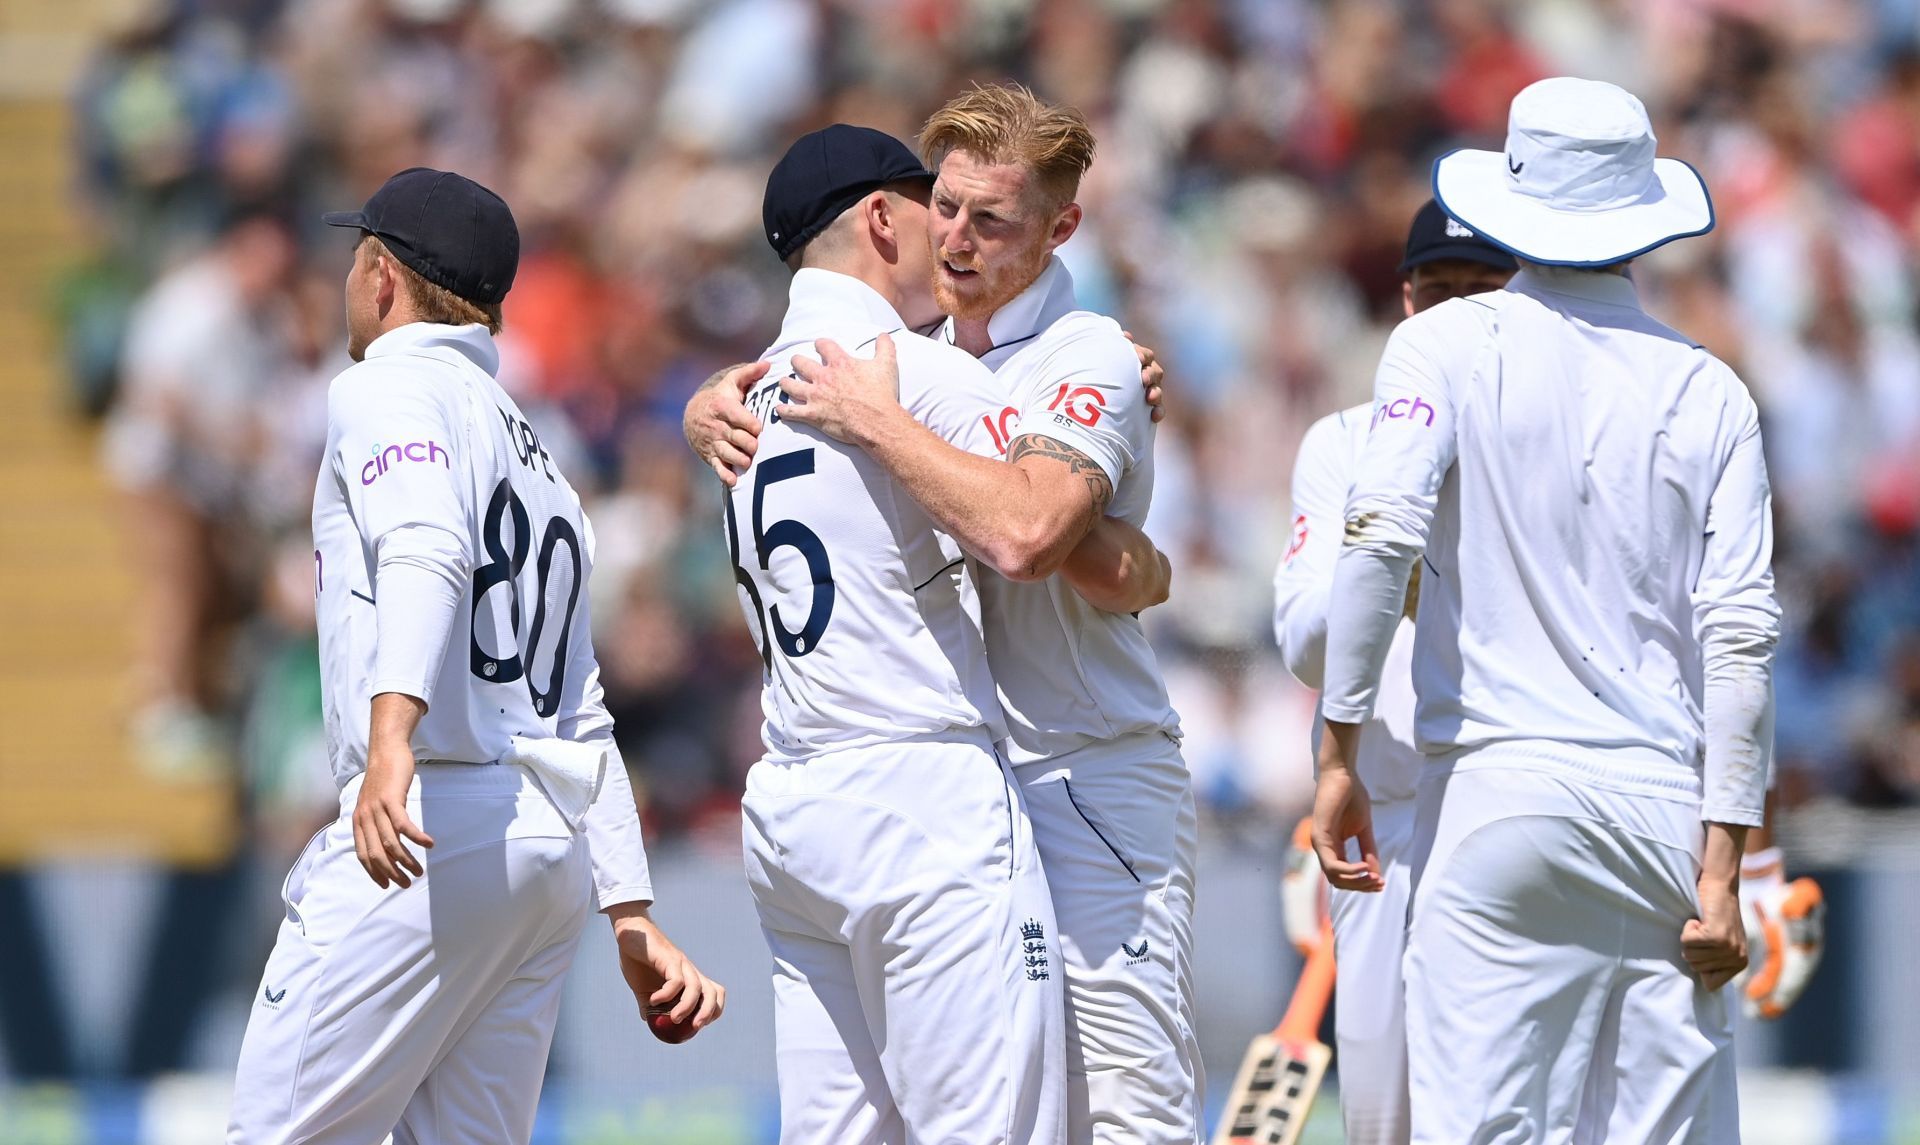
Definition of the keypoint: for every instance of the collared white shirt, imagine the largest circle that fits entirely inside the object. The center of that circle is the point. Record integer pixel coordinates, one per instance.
(866, 615)
(1587, 490)
(1071, 674)
(451, 560)
(1389, 763)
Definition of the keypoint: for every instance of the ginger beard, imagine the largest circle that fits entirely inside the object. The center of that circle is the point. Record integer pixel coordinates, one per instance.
(973, 290)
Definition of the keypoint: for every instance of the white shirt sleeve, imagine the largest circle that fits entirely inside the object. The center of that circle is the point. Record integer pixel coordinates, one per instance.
(1090, 399)
(397, 452)
(1304, 579)
(1410, 448)
(1737, 620)
(615, 844)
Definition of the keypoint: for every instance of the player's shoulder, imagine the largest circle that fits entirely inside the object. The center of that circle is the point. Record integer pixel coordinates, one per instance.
(1086, 347)
(1344, 429)
(1469, 315)
(1442, 340)
(391, 382)
(1086, 333)
(1735, 399)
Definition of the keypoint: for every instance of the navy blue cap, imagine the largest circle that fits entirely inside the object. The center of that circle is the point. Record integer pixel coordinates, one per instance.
(1436, 237)
(823, 174)
(451, 230)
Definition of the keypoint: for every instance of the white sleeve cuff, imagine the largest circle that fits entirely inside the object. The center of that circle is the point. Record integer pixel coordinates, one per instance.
(609, 897)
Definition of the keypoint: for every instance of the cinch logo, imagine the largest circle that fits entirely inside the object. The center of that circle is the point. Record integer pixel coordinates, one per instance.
(386, 457)
(1408, 408)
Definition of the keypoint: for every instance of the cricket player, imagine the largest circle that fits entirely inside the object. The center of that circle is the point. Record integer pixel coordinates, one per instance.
(1095, 743)
(1443, 260)
(916, 979)
(1585, 491)
(416, 994)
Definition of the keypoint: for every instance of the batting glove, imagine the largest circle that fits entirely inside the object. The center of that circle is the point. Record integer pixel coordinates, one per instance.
(1786, 934)
(1303, 892)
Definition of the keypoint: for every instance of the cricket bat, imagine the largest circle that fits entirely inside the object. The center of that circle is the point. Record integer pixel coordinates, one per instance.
(1281, 1073)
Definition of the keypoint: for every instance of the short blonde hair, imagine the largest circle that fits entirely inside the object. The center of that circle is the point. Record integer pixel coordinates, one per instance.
(1006, 123)
(435, 303)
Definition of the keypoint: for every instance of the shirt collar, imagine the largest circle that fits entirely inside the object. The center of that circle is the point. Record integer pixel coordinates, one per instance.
(471, 342)
(1049, 298)
(1592, 286)
(819, 298)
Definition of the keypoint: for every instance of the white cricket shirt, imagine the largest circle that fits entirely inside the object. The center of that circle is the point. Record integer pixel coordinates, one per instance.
(1069, 673)
(866, 615)
(450, 564)
(1587, 489)
(1389, 763)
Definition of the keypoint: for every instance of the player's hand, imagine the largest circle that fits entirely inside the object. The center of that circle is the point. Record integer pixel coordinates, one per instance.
(664, 981)
(1303, 892)
(843, 396)
(380, 818)
(1152, 374)
(1342, 811)
(1787, 935)
(718, 425)
(1715, 944)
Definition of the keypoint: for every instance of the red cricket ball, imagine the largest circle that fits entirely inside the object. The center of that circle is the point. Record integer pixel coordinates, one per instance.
(666, 1029)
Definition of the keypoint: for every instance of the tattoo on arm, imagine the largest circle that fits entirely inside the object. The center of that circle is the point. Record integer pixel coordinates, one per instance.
(713, 379)
(1088, 470)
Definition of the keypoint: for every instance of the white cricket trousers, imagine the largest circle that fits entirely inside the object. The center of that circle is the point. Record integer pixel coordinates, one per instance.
(1115, 825)
(425, 1012)
(1547, 1000)
(916, 988)
(1370, 1012)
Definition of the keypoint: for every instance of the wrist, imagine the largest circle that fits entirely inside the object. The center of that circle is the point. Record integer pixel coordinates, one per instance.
(1339, 743)
(1719, 885)
(882, 432)
(629, 915)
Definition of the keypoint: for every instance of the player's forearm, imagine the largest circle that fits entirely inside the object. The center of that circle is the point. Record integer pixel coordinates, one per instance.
(1116, 568)
(1369, 592)
(1720, 858)
(992, 508)
(395, 716)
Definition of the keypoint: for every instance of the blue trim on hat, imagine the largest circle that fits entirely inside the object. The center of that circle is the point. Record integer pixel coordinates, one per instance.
(1705, 192)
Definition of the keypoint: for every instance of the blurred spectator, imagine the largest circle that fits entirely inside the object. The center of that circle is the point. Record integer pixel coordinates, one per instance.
(1259, 160)
(183, 443)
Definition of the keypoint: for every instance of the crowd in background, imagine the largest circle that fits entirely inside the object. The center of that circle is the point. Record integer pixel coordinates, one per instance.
(1259, 163)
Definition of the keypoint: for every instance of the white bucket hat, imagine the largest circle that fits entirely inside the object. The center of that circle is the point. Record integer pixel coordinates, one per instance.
(1578, 184)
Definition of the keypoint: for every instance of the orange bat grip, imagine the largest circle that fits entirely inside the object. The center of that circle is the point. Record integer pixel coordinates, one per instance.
(1301, 1023)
